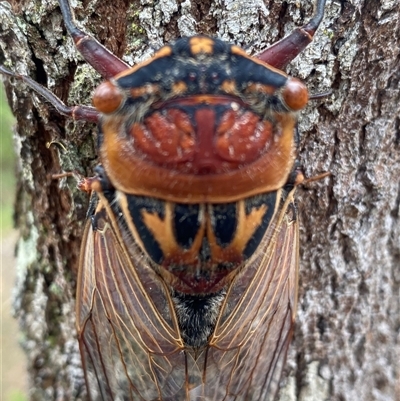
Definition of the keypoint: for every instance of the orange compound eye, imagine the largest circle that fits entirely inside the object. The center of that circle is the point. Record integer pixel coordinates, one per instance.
(107, 98)
(295, 94)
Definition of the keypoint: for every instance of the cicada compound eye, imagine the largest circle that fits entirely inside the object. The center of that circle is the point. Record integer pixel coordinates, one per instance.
(107, 98)
(295, 94)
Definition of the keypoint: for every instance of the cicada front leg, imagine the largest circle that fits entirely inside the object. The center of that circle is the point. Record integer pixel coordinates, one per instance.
(281, 53)
(101, 59)
(79, 113)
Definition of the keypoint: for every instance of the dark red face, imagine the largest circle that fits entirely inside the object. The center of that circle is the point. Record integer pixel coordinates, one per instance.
(200, 122)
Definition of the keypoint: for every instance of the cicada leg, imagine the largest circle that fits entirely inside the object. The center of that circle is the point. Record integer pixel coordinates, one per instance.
(101, 59)
(84, 184)
(283, 52)
(81, 113)
(99, 183)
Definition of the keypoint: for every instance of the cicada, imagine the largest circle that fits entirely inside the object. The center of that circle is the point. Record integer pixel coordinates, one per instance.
(187, 282)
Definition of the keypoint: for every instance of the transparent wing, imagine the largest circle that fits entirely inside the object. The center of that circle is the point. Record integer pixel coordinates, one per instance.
(129, 350)
(129, 337)
(250, 342)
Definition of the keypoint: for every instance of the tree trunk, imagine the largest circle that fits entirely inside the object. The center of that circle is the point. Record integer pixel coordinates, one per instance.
(346, 345)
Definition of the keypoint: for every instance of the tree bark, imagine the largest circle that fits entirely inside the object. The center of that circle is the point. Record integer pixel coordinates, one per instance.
(347, 343)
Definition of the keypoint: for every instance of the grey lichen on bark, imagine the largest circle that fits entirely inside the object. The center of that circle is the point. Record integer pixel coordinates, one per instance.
(346, 343)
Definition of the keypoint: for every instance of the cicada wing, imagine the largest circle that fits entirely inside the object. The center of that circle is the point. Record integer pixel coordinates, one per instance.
(248, 349)
(130, 341)
(130, 350)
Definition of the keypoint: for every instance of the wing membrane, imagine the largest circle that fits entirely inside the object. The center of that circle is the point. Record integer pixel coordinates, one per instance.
(249, 345)
(130, 341)
(125, 341)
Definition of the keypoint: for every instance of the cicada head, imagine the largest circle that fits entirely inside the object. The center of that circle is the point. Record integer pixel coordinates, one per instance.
(200, 122)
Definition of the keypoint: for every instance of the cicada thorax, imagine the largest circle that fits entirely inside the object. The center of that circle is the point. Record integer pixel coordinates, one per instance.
(198, 144)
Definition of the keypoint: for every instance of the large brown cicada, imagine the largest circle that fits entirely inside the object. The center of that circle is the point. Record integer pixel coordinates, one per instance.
(188, 273)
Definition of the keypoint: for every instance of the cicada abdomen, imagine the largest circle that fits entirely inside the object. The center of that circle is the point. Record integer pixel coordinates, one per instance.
(187, 282)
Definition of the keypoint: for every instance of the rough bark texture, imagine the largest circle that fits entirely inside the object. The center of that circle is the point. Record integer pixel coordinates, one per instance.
(347, 343)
